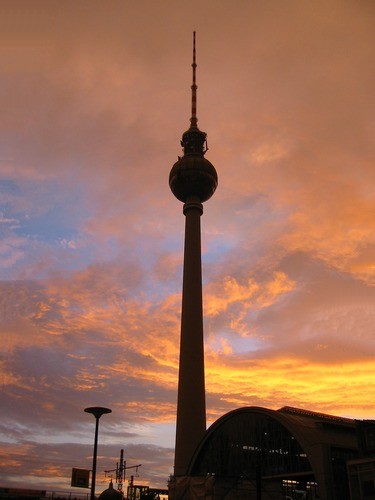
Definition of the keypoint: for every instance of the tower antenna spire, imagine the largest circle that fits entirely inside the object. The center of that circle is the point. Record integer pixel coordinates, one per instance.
(194, 119)
(194, 141)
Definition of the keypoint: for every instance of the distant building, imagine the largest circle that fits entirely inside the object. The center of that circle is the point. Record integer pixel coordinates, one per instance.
(110, 493)
(22, 493)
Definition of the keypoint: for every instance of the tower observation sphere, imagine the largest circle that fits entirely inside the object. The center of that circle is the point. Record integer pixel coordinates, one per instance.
(193, 175)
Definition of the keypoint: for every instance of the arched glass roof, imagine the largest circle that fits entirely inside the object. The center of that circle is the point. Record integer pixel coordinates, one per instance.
(245, 442)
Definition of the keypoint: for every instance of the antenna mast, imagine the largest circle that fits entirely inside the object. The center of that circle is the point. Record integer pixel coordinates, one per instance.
(194, 119)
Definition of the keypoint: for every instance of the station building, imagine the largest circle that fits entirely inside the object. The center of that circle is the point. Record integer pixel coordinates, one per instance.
(292, 454)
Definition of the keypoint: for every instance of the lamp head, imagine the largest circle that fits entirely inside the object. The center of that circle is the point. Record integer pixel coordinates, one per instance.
(97, 411)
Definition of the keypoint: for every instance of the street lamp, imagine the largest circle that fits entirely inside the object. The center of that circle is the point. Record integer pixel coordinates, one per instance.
(97, 411)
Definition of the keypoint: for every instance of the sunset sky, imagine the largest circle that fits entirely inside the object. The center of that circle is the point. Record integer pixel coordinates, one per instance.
(95, 96)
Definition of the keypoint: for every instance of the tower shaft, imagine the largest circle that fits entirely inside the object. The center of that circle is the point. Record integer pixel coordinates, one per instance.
(191, 403)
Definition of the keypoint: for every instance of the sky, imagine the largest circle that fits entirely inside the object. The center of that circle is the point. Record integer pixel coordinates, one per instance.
(95, 96)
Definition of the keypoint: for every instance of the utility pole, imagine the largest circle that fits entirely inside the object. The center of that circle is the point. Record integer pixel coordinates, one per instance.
(120, 471)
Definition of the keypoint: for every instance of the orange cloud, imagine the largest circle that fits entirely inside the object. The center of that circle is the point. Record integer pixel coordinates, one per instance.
(219, 296)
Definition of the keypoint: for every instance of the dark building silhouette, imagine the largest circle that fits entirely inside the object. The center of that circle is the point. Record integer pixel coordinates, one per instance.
(291, 454)
(249, 453)
(110, 493)
(278, 454)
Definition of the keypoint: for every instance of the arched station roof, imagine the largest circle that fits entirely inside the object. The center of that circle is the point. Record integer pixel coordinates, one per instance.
(281, 442)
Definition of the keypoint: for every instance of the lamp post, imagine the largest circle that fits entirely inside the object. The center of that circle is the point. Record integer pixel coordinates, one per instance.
(97, 411)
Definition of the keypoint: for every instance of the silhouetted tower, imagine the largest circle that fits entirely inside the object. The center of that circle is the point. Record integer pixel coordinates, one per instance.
(193, 180)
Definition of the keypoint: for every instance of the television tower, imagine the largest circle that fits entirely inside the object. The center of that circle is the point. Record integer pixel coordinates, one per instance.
(193, 180)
